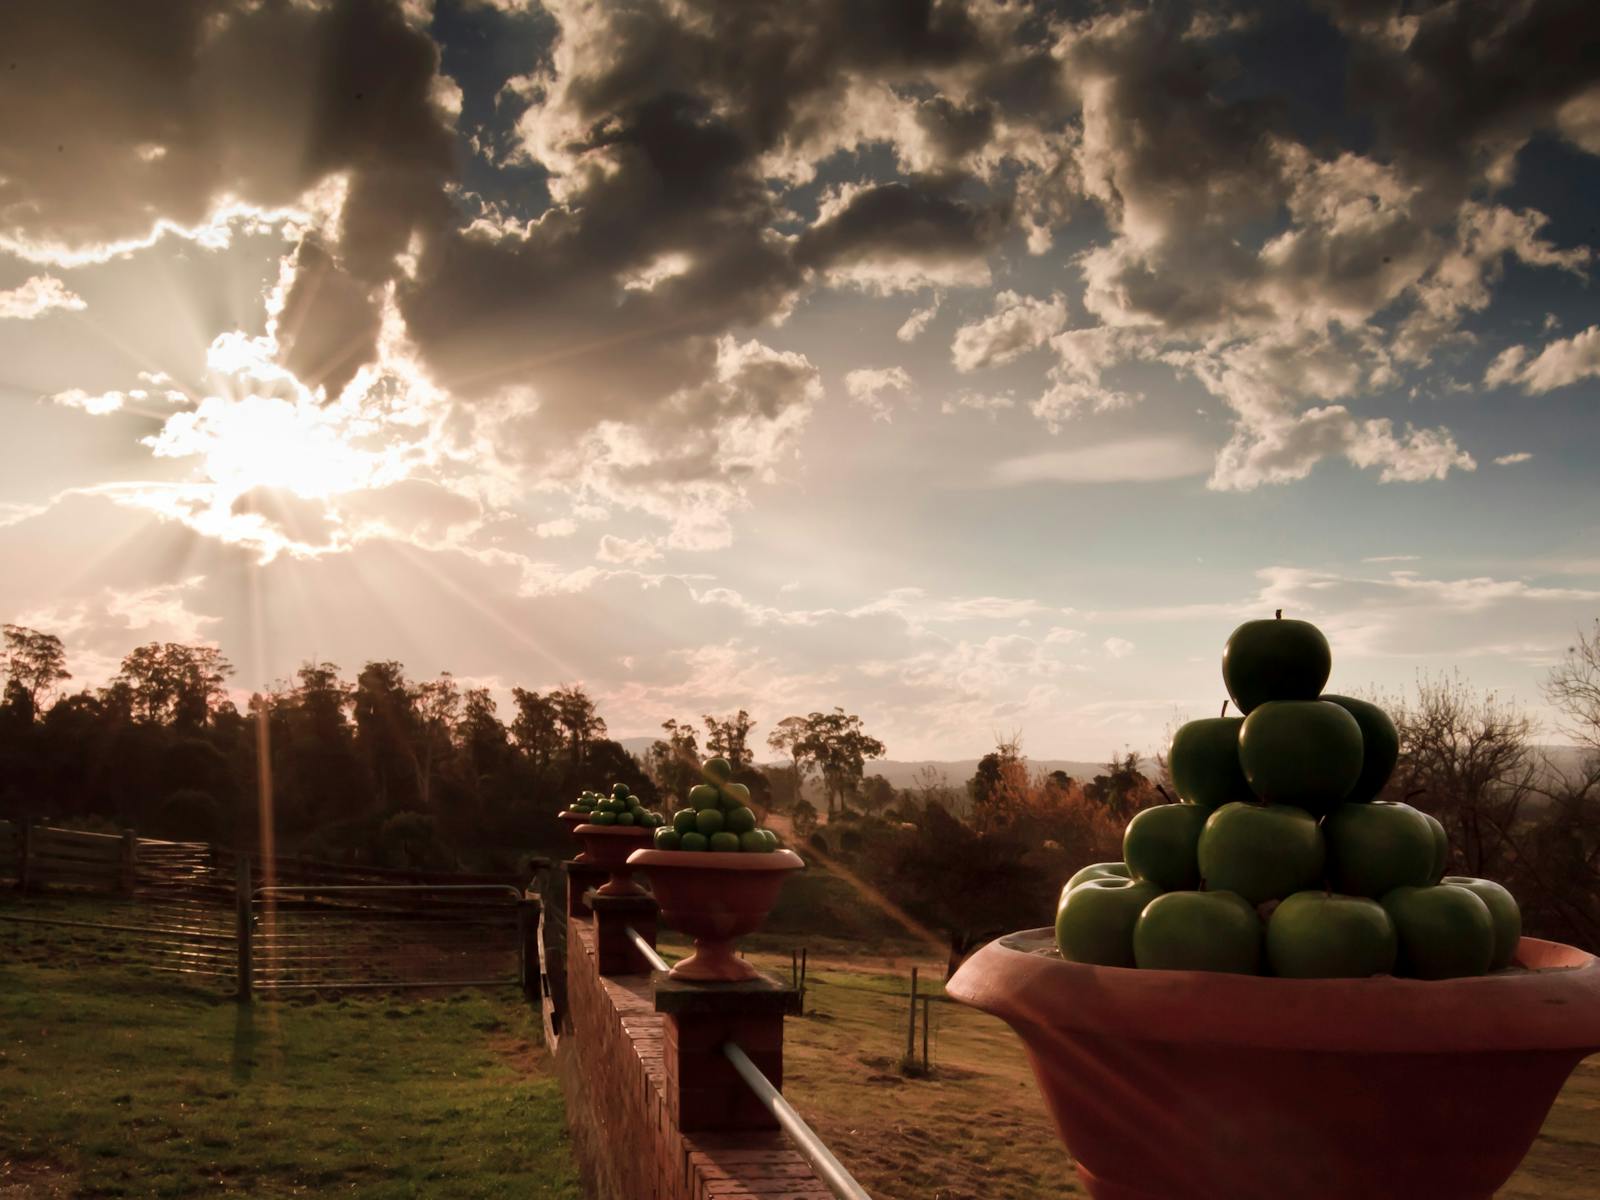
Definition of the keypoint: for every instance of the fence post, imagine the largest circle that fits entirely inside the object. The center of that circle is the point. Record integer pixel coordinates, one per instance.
(925, 1001)
(242, 926)
(528, 910)
(24, 853)
(130, 862)
(911, 1024)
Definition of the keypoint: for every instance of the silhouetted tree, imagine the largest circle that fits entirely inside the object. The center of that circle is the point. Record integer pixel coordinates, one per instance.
(835, 744)
(34, 663)
(730, 737)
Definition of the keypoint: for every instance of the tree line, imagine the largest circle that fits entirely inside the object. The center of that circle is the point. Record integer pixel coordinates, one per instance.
(383, 768)
(394, 771)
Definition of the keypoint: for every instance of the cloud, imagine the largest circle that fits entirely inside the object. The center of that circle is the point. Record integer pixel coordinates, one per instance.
(1559, 364)
(1118, 647)
(1140, 460)
(873, 388)
(36, 296)
(918, 321)
(621, 550)
(1506, 460)
(992, 403)
(1017, 325)
(1275, 451)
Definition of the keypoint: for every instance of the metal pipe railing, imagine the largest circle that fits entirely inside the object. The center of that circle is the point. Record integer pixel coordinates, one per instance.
(828, 1168)
(646, 949)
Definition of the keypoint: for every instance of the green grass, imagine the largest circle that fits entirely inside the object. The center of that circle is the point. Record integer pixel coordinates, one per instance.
(115, 1082)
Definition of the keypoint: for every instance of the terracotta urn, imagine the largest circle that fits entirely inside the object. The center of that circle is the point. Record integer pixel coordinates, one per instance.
(716, 898)
(1187, 1085)
(609, 846)
(572, 820)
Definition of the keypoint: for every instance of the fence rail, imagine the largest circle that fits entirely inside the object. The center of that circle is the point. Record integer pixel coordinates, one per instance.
(191, 908)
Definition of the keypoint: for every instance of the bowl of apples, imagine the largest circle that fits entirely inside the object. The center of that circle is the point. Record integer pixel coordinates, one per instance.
(716, 875)
(1279, 992)
(578, 813)
(613, 829)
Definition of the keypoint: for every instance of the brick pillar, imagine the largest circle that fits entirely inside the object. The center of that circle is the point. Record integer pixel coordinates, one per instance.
(704, 1092)
(614, 951)
(582, 877)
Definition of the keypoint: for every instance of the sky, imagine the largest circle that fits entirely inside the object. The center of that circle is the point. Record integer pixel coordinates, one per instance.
(974, 367)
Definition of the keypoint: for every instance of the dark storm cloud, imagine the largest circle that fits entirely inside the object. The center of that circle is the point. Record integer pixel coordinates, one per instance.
(1457, 89)
(329, 324)
(112, 115)
(918, 220)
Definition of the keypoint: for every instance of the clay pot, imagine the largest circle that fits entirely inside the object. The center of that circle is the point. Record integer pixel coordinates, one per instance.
(716, 898)
(608, 846)
(1189, 1085)
(572, 820)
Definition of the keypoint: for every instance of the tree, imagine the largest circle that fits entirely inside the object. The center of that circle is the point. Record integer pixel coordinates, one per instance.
(674, 761)
(1466, 759)
(176, 684)
(437, 704)
(729, 738)
(35, 662)
(1123, 788)
(576, 715)
(535, 728)
(386, 724)
(835, 744)
(785, 739)
(1573, 689)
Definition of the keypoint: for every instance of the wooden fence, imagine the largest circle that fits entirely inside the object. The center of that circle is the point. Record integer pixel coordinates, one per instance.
(249, 922)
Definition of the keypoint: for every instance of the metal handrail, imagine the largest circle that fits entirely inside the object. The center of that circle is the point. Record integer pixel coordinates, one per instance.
(828, 1168)
(646, 949)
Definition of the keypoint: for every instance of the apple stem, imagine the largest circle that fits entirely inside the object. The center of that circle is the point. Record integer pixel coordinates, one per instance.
(1224, 711)
(1279, 615)
(1164, 795)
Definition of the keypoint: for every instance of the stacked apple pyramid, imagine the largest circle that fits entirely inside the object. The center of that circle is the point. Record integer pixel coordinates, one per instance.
(1281, 860)
(718, 817)
(621, 807)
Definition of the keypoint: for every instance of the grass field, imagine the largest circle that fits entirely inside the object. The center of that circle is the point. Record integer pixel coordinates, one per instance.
(115, 1082)
(977, 1129)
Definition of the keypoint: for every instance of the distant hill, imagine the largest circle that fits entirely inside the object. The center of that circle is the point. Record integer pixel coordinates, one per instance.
(903, 774)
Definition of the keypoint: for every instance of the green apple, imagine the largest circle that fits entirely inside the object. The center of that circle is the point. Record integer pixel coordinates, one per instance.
(626, 818)
(752, 842)
(1275, 660)
(1302, 752)
(693, 841)
(1095, 922)
(709, 821)
(1160, 843)
(1376, 847)
(1105, 870)
(1204, 761)
(736, 792)
(1318, 935)
(1198, 931)
(1262, 851)
(683, 820)
(739, 820)
(666, 839)
(703, 795)
(620, 791)
(772, 838)
(1441, 847)
(1444, 931)
(603, 818)
(1380, 746)
(724, 841)
(717, 770)
(1503, 911)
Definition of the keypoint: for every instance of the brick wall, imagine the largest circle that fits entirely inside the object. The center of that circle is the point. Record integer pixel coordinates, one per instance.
(614, 1073)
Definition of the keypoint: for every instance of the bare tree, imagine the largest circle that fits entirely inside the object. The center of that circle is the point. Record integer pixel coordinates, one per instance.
(1465, 757)
(1573, 689)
